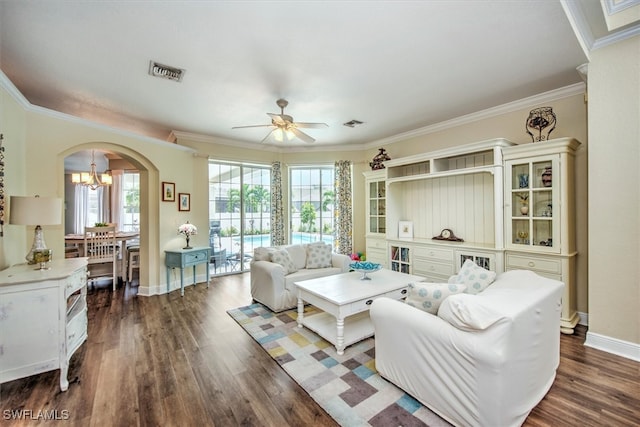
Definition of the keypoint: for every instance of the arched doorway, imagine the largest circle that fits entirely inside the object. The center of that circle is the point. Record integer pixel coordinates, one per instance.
(148, 206)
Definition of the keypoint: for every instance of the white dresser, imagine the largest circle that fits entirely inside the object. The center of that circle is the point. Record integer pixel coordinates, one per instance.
(43, 318)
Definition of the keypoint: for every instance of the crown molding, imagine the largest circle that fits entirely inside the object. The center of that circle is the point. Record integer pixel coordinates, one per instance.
(545, 97)
(616, 37)
(13, 91)
(579, 24)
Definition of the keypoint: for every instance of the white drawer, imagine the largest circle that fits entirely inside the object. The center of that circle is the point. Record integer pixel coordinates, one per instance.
(536, 264)
(433, 253)
(76, 331)
(430, 268)
(362, 305)
(376, 244)
(76, 281)
(397, 294)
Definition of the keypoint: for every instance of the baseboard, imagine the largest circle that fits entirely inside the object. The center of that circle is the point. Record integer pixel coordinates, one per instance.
(613, 345)
(174, 284)
(583, 319)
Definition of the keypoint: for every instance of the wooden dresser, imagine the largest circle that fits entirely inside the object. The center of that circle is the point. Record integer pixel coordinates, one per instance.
(43, 318)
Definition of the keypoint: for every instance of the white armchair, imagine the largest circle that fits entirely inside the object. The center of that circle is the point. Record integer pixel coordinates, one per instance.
(483, 360)
(273, 285)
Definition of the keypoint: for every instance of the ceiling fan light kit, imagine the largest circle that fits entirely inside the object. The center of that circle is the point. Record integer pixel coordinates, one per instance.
(284, 128)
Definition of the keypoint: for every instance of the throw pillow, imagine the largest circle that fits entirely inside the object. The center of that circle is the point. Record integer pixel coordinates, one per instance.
(475, 277)
(465, 312)
(318, 255)
(282, 257)
(262, 254)
(429, 296)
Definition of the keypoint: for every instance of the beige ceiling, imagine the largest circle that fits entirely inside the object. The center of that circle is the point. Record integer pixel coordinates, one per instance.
(397, 66)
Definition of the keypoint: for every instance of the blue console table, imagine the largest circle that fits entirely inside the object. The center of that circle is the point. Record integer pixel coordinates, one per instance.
(182, 258)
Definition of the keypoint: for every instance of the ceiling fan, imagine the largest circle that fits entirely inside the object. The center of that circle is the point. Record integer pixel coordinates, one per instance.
(283, 126)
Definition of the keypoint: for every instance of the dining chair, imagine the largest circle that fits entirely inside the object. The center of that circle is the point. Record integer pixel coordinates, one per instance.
(101, 250)
(133, 260)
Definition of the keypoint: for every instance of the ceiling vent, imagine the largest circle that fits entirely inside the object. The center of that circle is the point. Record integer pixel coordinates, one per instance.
(165, 71)
(353, 123)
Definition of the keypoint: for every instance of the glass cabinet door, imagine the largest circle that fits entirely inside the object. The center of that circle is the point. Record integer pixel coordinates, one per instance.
(532, 193)
(377, 207)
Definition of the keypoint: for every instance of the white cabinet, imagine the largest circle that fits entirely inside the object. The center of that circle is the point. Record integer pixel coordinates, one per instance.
(512, 204)
(43, 318)
(539, 212)
(376, 250)
(376, 217)
(376, 209)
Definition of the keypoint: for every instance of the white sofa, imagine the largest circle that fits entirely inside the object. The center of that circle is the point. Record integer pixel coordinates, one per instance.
(272, 285)
(483, 360)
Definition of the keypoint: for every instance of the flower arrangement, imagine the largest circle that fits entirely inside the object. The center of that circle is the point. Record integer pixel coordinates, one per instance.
(524, 198)
(188, 230)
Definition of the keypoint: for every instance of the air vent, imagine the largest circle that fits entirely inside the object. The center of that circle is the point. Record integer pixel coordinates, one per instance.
(165, 71)
(353, 123)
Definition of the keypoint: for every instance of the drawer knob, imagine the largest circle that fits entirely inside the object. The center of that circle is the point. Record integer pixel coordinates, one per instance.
(532, 264)
(369, 302)
(403, 292)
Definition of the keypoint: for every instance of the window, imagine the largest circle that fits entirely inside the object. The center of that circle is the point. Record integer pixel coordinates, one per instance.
(312, 197)
(130, 215)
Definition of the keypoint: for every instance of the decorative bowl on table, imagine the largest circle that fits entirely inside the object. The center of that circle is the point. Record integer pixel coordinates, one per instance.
(365, 267)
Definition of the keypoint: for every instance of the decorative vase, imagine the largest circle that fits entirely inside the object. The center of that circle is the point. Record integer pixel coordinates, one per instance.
(376, 163)
(540, 120)
(524, 210)
(547, 177)
(187, 247)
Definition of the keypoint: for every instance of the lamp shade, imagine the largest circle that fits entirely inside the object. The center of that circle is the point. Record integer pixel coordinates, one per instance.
(35, 210)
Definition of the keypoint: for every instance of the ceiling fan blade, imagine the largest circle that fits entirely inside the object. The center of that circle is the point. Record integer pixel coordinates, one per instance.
(276, 119)
(252, 126)
(268, 135)
(303, 136)
(311, 125)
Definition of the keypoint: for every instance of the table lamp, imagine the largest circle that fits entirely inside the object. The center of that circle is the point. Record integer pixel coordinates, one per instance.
(36, 211)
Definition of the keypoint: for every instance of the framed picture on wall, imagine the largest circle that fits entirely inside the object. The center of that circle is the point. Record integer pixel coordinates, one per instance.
(168, 191)
(184, 201)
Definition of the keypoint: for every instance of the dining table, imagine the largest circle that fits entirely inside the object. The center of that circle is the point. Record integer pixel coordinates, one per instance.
(121, 237)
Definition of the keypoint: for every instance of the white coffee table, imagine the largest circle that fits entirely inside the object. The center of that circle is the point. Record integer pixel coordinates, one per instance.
(345, 301)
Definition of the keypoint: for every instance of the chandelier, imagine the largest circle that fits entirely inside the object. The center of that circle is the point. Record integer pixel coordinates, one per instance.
(91, 179)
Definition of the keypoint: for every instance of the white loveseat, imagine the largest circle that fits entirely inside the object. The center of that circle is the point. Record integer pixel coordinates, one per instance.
(483, 360)
(273, 284)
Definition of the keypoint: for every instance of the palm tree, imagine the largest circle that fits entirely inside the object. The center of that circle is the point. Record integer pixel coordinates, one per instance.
(328, 199)
(308, 216)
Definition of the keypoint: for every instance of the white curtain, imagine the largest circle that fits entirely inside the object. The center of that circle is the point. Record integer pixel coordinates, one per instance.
(116, 198)
(83, 215)
(81, 204)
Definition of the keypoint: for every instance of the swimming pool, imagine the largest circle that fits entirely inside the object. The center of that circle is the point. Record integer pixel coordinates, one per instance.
(258, 240)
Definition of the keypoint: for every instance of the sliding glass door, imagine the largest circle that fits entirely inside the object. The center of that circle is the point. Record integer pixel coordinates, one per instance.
(239, 214)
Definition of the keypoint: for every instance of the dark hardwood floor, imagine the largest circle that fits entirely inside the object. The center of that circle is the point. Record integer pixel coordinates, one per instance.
(172, 361)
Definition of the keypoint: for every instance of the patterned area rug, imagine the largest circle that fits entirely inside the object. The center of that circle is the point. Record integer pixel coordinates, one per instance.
(348, 387)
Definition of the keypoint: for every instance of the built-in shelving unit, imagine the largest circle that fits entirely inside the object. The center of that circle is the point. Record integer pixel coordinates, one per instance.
(478, 190)
(539, 210)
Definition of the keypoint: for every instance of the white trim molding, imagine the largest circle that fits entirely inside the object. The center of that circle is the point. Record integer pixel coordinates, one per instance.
(615, 346)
